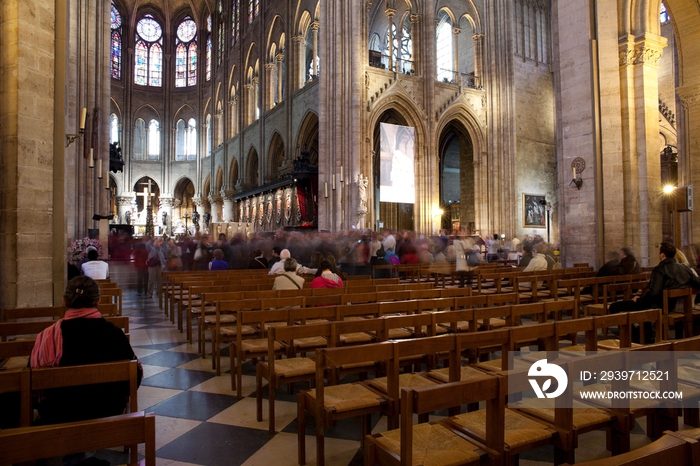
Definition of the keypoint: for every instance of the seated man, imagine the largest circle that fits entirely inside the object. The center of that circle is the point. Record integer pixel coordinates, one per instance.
(668, 275)
(94, 268)
(289, 280)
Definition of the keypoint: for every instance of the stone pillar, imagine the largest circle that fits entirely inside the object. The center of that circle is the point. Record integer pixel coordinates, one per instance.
(455, 53)
(314, 57)
(124, 203)
(166, 205)
(280, 77)
(215, 202)
(478, 53)
(268, 92)
(227, 196)
(390, 12)
(688, 117)
(416, 37)
(299, 47)
(639, 58)
(250, 104)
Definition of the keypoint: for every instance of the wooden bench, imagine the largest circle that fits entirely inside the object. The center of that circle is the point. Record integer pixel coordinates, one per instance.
(27, 444)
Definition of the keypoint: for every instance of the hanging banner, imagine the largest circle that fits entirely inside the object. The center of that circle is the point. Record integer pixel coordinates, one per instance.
(396, 173)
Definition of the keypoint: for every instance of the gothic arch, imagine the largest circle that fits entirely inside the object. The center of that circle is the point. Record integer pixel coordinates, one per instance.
(147, 111)
(275, 157)
(185, 112)
(465, 116)
(233, 174)
(253, 168)
(219, 181)
(307, 137)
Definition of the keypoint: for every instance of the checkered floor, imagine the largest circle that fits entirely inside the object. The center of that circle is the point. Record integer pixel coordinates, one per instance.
(200, 420)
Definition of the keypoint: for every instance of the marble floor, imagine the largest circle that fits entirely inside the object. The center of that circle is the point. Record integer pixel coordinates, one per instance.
(200, 421)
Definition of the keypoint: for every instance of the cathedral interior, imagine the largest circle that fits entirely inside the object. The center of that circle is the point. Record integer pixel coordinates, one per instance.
(575, 120)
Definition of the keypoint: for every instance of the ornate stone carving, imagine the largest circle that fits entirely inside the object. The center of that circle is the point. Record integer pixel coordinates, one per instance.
(124, 200)
(216, 200)
(690, 96)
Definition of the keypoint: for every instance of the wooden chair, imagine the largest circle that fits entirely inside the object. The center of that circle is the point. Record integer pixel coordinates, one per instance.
(27, 444)
(436, 442)
(242, 349)
(46, 378)
(288, 370)
(681, 321)
(112, 296)
(669, 449)
(330, 403)
(17, 381)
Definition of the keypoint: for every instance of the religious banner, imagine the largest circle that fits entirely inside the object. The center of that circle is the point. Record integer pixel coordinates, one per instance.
(396, 175)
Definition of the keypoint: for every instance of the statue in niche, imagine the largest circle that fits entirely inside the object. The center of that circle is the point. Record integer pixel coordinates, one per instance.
(195, 218)
(127, 217)
(207, 218)
(165, 218)
(362, 183)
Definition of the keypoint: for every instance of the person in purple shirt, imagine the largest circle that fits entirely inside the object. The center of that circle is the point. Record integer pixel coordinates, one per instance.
(218, 263)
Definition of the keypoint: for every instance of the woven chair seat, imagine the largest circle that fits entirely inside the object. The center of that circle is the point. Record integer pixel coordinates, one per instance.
(399, 333)
(224, 319)
(439, 330)
(409, 380)
(507, 289)
(208, 310)
(494, 322)
(495, 364)
(596, 309)
(317, 321)
(433, 445)
(258, 345)
(462, 326)
(519, 430)
(613, 344)
(573, 349)
(689, 373)
(356, 337)
(293, 367)
(233, 331)
(468, 372)
(487, 290)
(310, 342)
(584, 415)
(348, 397)
(276, 324)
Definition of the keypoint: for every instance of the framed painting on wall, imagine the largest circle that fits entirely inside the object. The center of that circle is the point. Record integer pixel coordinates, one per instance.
(534, 211)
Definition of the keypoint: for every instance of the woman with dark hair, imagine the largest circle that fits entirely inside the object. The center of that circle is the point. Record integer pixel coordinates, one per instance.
(325, 277)
(82, 336)
(628, 263)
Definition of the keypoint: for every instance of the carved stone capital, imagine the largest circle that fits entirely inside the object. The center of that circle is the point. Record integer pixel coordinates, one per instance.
(314, 26)
(227, 195)
(644, 50)
(271, 66)
(166, 201)
(415, 19)
(390, 12)
(456, 31)
(125, 200)
(689, 95)
(199, 201)
(216, 200)
(279, 57)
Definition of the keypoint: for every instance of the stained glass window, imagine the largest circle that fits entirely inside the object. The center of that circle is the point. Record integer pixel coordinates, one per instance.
(257, 8)
(445, 65)
(208, 58)
(235, 21)
(191, 140)
(222, 35)
(186, 54)
(148, 64)
(116, 43)
(153, 140)
(113, 128)
(250, 11)
(663, 16)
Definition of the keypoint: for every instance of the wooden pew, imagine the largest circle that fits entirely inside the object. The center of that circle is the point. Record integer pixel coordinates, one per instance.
(33, 443)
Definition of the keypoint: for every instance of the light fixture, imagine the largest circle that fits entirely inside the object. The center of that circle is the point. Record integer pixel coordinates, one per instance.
(70, 138)
(578, 165)
(669, 188)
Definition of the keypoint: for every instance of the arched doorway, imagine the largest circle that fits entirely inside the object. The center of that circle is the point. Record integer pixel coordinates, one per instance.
(456, 153)
(183, 205)
(392, 212)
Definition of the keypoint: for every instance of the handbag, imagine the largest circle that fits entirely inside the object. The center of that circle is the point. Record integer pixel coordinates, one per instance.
(153, 261)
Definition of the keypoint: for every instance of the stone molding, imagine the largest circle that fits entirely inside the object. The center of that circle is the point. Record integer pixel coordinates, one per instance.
(216, 200)
(689, 95)
(125, 200)
(166, 201)
(641, 51)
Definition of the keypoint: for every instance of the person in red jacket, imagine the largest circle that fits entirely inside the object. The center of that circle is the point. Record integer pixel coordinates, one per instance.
(325, 278)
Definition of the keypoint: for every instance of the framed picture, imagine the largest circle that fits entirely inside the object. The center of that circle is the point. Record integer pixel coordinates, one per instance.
(534, 215)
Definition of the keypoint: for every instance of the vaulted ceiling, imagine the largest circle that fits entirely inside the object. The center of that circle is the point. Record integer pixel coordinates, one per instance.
(169, 8)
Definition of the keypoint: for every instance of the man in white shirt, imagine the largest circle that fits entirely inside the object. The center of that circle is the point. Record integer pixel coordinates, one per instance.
(389, 242)
(95, 269)
(278, 267)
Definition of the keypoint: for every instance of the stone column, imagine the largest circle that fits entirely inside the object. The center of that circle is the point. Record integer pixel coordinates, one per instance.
(314, 57)
(390, 12)
(280, 77)
(478, 52)
(455, 53)
(299, 47)
(124, 203)
(216, 203)
(250, 104)
(166, 205)
(416, 37)
(227, 196)
(639, 58)
(689, 143)
(268, 92)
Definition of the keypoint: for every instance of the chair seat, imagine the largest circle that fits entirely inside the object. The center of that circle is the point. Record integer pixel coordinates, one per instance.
(356, 337)
(519, 430)
(224, 319)
(495, 322)
(399, 333)
(613, 344)
(467, 372)
(293, 367)
(433, 444)
(258, 345)
(596, 310)
(348, 397)
(408, 380)
(310, 342)
(233, 331)
(584, 415)
(208, 310)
